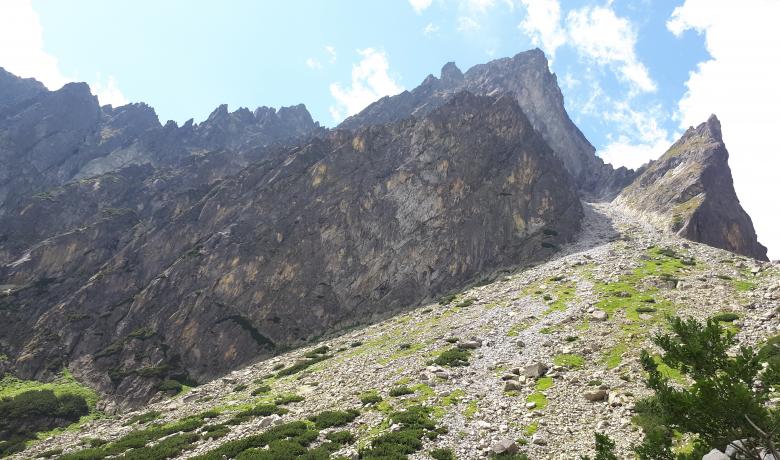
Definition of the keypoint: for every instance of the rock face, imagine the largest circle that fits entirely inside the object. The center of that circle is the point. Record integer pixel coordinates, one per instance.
(689, 190)
(48, 138)
(528, 79)
(189, 283)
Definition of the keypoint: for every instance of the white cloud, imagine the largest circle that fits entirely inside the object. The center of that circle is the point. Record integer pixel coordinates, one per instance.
(313, 64)
(480, 6)
(108, 93)
(430, 29)
(599, 34)
(739, 84)
(467, 24)
(420, 5)
(542, 24)
(640, 136)
(331, 53)
(370, 81)
(21, 45)
(22, 52)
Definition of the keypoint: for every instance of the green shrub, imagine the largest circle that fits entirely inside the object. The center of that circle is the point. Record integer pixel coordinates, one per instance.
(720, 405)
(442, 454)
(331, 418)
(465, 303)
(317, 352)
(446, 300)
(49, 453)
(453, 357)
(298, 366)
(170, 385)
(400, 391)
(414, 422)
(215, 431)
(340, 437)
(240, 387)
(288, 399)
(262, 389)
(370, 398)
(727, 317)
(645, 310)
(143, 418)
(605, 448)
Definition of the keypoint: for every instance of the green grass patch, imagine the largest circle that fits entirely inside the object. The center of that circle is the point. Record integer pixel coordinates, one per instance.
(614, 356)
(569, 360)
(544, 383)
(539, 399)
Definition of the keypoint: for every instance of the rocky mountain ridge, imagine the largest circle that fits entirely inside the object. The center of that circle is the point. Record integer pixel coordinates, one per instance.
(551, 356)
(528, 79)
(689, 190)
(135, 253)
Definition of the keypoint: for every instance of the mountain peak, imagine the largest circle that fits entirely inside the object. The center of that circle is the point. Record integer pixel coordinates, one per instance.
(451, 74)
(690, 191)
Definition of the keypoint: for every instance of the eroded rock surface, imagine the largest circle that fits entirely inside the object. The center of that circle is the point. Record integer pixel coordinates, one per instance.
(690, 191)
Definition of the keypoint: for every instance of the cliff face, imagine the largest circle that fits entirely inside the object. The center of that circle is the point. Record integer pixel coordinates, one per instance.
(689, 190)
(340, 231)
(527, 78)
(48, 138)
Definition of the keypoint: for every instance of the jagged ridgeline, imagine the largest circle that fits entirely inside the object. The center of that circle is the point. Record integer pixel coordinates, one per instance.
(147, 259)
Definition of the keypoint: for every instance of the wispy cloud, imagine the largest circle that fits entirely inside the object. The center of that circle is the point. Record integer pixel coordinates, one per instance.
(371, 79)
(467, 24)
(430, 29)
(599, 34)
(22, 52)
(332, 56)
(542, 24)
(313, 64)
(108, 92)
(420, 5)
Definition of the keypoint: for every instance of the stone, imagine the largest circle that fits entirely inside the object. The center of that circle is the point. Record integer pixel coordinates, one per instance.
(599, 315)
(595, 395)
(539, 439)
(469, 345)
(512, 385)
(715, 454)
(535, 370)
(504, 447)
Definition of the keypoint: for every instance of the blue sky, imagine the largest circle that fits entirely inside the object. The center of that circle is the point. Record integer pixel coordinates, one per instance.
(634, 73)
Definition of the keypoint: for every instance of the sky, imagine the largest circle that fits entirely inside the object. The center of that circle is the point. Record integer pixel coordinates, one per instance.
(634, 73)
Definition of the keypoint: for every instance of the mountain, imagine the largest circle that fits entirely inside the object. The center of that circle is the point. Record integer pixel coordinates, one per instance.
(49, 138)
(340, 231)
(548, 356)
(528, 79)
(689, 190)
(136, 254)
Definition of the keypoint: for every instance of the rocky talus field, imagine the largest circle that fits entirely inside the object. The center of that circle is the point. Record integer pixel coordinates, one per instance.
(534, 361)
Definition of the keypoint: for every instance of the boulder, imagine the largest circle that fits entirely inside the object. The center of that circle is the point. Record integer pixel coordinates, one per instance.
(596, 395)
(504, 447)
(535, 370)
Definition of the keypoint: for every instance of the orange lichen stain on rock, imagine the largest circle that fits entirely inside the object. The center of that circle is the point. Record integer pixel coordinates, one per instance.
(458, 187)
(398, 179)
(359, 144)
(443, 166)
(231, 353)
(235, 262)
(287, 272)
(318, 174)
(190, 333)
(519, 222)
(734, 236)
